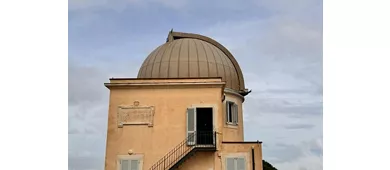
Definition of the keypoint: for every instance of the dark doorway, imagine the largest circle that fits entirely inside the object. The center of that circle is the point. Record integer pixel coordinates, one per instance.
(204, 126)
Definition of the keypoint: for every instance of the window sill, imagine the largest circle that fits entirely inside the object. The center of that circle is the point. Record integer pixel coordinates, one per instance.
(231, 125)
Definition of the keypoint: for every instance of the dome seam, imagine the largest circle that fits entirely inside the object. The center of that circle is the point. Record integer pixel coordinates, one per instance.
(146, 62)
(178, 60)
(170, 56)
(223, 67)
(207, 59)
(215, 60)
(189, 70)
(154, 61)
(162, 56)
(227, 71)
(197, 57)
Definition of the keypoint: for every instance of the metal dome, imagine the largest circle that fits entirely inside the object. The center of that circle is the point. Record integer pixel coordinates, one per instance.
(186, 55)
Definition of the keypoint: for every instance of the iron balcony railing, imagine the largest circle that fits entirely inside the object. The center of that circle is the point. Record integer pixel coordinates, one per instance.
(198, 139)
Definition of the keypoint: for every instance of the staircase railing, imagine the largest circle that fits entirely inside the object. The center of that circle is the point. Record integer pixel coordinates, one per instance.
(192, 141)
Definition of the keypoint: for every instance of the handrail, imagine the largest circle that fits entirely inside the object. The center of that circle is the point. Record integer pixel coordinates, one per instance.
(196, 139)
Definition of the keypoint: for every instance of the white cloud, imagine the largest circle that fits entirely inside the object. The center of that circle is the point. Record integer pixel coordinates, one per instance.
(120, 5)
(308, 162)
(305, 155)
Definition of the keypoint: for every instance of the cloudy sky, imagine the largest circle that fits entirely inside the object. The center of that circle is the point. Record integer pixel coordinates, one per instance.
(278, 44)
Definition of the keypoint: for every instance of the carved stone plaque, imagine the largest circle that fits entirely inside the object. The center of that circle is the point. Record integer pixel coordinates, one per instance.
(135, 115)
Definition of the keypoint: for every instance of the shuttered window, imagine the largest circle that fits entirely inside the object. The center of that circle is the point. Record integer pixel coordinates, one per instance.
(235, 163)
(231, 113)
(125, 164)
(230, 164)
(228, 112)
(240, 164)
(129, 164)
(134, 164)
(235, 114)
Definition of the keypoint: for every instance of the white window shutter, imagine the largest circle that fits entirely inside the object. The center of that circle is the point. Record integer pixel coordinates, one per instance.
(235, 114)
(240, 163)
(124, 164)
(227, 111)
(230, 164)
(191, 126)
(134, 165)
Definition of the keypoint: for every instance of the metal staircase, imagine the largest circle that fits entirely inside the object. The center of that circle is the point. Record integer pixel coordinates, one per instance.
(197, 141)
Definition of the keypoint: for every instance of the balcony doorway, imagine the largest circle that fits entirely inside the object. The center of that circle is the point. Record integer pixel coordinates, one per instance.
(204, 126)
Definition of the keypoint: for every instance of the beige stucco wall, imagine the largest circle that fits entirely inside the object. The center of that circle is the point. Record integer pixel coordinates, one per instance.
(200, 161)
(216, 160)
(170, 99)
(169, 124)
(233, 132)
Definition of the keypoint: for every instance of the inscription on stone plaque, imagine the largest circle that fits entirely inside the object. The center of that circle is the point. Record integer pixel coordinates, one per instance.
(135, 115)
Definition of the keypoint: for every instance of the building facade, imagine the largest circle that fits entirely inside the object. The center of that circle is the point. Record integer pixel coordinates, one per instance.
(183, 111)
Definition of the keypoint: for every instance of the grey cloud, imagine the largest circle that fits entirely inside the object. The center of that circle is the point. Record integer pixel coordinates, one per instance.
(87, 118)
(291, 7)
(85, 84)
(120, 5)
(299, 126)
(95, 5)
(281, 106)
(86, 163)
(88, 109)
(295, 110)
(85, 130)
(288, 91)
(86, 144)
(88, 98)
(73, 131)
(288, 152)
(86, 151)
(305, 91)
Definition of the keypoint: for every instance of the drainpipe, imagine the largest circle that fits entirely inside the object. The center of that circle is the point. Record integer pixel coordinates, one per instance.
(253, 158)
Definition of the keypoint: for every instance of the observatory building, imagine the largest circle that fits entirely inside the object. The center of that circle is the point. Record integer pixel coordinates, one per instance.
(183, 111)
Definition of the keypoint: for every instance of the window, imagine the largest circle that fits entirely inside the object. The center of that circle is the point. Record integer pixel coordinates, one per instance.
(235, 163)
(231, 113)
(129, 164)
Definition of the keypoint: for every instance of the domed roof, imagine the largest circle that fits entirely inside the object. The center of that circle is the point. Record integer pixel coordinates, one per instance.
(186, 55)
